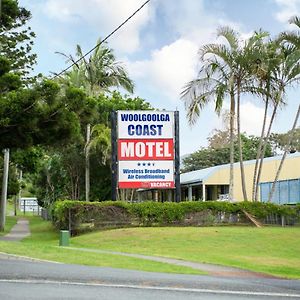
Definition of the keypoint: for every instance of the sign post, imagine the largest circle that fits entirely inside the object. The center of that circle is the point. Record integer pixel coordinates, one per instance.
(114, 159)
(147, 154)
(177, 159)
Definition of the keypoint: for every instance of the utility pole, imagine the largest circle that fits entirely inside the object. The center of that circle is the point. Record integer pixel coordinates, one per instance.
(18, 199)
(87, 163)
(4, 189)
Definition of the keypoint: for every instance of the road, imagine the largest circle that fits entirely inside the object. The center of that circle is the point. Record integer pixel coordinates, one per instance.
(26, 279)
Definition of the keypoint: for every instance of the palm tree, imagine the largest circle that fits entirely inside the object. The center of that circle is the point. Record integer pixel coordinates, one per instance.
(96, 75)
(210, 86)
(284, 73)
(291, 72)
(100, 139)
(215, 81)
(246, 58)
(265, 72)
(226, 71)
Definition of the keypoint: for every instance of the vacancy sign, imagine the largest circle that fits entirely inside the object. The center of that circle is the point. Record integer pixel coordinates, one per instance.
(146, 149)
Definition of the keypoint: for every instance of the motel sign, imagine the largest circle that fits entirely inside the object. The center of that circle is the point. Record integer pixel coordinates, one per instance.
(145, 142)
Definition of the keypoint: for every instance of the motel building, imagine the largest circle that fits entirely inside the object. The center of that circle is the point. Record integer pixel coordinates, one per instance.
(213, 183)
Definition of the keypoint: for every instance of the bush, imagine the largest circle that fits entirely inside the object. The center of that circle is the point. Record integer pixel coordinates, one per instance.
(82, 216)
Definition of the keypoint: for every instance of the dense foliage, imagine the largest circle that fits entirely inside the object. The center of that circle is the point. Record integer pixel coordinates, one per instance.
(61, 172)
(218, 152)
(16, 40)
(40, 116)
(87, 215)
(280, 140)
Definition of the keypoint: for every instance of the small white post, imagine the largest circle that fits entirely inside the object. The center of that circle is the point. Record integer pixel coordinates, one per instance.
(203, 192)
(190, 193)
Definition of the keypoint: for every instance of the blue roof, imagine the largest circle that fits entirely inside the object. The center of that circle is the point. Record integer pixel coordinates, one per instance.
(197, 176)
(200, 175)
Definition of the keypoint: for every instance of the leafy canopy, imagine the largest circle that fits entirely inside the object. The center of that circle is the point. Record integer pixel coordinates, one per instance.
(16, 40)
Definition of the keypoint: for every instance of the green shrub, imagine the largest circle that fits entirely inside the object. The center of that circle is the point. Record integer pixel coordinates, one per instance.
(81, 215)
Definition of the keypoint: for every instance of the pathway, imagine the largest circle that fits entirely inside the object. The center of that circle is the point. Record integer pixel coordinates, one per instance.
(18, 232)
(213, 270)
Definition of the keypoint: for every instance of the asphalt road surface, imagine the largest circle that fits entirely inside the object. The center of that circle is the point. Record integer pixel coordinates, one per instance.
(26, 279)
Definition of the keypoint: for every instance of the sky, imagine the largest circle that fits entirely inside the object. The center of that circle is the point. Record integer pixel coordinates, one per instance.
(159, 47)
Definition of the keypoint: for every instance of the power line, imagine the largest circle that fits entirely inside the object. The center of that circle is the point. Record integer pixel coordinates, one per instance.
(104, 40)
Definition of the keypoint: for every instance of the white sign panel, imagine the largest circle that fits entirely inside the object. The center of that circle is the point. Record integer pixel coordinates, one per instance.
(146, 149)
(145, 124)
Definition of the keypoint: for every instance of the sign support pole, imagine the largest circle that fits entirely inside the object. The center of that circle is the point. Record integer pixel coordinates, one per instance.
(114, 166)
(177, 159)
(4, 189)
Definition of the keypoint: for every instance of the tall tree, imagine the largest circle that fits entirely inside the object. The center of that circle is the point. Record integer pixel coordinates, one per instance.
(16, 40)
(266, 73)
(14, 56)
(282, 71)
(40, 115)
(211, 85)
(96, 75)
(226, 71)
(291, 44)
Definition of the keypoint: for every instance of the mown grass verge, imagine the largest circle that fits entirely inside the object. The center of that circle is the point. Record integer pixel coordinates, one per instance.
(271, 250)
(43, 244)
(10, 222)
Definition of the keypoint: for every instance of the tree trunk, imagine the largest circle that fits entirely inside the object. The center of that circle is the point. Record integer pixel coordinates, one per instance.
(131, 195)
(240, 144)
(232, 115)
(87, 163)
(264, 148)
(259, 150)
(284, 155)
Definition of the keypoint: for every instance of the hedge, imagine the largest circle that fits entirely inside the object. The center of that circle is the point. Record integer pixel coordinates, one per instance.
(80, 216)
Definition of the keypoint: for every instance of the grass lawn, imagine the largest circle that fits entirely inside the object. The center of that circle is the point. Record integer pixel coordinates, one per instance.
(10, 222)
(43, 244)
(272, 250)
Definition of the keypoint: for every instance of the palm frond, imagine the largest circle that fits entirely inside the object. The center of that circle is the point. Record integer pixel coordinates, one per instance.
(295, 20)
(220, 51)
(99, 72)
(231, 36)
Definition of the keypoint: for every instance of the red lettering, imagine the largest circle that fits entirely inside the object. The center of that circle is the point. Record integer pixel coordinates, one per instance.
(146, 184)
(140, 149)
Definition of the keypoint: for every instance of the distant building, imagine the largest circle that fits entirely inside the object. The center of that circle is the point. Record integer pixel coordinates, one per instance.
(213, 183)
(29, 204)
